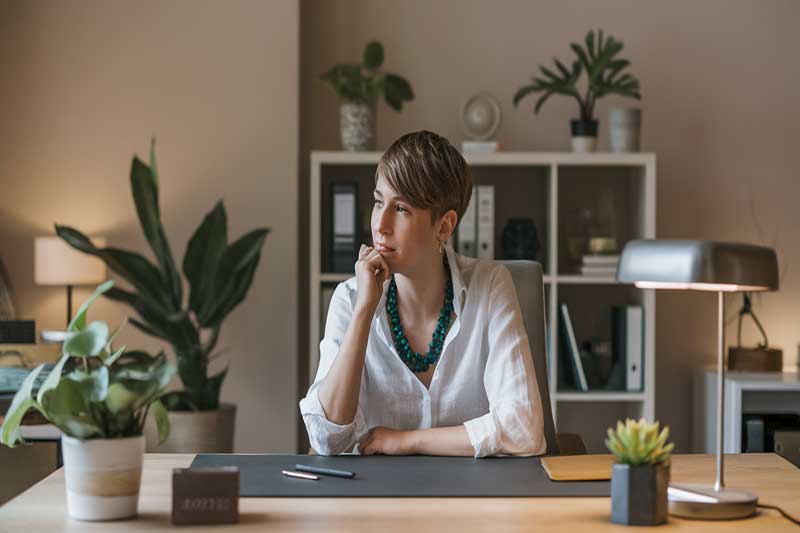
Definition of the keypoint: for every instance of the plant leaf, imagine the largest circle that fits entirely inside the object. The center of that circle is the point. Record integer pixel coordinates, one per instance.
(524, 91)
(237, 295)
(78, 322)
(134, 268)
(111, 359)
(89, 342)
(93, 385)
(145, 195)
(162, 420)
(202, 257)
(373, 55)
(396, 91)
(234, 261)
(51, 381)
(9, 431)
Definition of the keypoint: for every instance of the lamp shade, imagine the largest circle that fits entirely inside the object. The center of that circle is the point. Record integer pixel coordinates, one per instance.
(698, 265)
(57, 263)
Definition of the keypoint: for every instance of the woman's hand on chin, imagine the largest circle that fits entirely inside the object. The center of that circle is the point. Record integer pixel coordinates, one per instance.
(386, 441)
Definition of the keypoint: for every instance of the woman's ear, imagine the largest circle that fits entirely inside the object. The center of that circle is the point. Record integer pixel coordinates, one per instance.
(447, 225)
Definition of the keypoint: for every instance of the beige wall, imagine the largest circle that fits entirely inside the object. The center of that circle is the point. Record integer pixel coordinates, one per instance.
(719, 80)
(85, 85)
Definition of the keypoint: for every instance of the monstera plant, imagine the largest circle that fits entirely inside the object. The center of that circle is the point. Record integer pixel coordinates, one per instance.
(219, 274)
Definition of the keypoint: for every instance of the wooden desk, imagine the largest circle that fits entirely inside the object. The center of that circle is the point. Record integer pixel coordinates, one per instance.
(775, 480)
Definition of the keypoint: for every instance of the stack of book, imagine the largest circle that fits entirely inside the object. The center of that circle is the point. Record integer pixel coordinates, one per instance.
(599, 265)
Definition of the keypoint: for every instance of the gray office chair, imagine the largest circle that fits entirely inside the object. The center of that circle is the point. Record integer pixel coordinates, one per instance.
(527, 278)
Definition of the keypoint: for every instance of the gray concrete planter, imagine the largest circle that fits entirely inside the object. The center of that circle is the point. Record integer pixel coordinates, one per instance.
(357, 125)
(639, 494)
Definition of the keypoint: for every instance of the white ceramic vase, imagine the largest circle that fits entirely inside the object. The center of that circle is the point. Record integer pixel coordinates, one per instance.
(103, 477)
(624, 129)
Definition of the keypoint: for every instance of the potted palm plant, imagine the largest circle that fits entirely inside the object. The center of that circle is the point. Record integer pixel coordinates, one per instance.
(604, 75)
(359, 86)
(219, 275)
(640, 475)
(99, 398)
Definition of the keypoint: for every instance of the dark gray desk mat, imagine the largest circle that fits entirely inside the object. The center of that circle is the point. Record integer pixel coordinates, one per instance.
(391, 476)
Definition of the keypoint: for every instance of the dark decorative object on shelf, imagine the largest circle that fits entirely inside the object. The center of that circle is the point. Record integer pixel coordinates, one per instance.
(520, 239)
(760, 358)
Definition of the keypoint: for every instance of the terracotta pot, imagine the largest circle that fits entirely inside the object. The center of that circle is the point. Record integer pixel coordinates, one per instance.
(195, 431)
(103, 477)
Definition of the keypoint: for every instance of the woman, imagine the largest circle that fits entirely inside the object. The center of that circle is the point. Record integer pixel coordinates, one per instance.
(424, 351)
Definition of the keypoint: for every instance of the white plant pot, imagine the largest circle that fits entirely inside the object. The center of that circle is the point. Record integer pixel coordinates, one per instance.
(195, 431)
(584, 144)
(103, 477)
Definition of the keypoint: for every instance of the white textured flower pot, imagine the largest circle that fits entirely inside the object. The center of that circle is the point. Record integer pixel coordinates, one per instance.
(195, 431)
(103, 477)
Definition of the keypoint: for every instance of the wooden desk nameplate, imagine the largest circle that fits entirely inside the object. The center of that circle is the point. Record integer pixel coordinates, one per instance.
(205, 495)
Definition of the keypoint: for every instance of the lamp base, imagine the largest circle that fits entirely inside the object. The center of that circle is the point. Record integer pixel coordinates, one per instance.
(705, 503)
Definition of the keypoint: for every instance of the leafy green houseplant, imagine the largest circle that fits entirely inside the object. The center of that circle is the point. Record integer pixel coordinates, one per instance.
(219, 276)
(640, 476)
(604, 72)
(99, 398)
(360, 86)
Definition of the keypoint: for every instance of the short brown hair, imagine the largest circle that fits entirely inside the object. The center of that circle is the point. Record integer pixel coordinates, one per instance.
(428, 172)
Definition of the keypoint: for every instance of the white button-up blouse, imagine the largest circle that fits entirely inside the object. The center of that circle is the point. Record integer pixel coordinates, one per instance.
(484, 379)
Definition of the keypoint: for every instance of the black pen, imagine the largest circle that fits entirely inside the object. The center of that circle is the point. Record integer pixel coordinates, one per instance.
(325, 471)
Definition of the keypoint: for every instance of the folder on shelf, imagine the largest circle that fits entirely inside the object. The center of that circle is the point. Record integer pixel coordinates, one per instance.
(486, 221)
(628, 343)
(468, 229)
(578, 467)
(571, 345)
(344, 250)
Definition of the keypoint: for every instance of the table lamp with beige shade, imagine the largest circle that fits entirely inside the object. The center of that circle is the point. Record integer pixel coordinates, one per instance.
(704, 266)
(57, 263)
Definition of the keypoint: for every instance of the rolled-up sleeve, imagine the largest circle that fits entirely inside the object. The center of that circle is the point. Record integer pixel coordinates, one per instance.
(326, 437)
(514, 424)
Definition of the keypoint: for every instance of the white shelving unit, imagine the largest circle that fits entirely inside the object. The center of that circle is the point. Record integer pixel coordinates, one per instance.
(557, 182)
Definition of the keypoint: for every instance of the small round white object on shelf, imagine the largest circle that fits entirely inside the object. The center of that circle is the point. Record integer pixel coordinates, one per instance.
(481, 116)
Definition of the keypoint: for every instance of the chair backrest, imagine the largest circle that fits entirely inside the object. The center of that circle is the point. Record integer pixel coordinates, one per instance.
(527, 277)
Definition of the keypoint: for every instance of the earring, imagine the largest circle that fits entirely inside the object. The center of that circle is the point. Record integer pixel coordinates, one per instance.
(441, 247)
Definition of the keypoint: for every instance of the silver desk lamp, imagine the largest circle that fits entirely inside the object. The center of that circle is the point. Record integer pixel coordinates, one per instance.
(704, 266)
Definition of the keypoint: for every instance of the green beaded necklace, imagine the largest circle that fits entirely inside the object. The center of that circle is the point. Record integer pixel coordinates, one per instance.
(418, 362)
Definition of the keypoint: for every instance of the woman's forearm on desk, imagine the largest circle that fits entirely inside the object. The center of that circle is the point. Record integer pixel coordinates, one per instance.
(442, 441)
(338, 392)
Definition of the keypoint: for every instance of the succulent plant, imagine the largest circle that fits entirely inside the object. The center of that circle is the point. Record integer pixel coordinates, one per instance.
(639, 443)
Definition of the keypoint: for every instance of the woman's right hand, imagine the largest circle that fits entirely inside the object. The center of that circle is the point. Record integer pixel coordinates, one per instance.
(372, 271)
